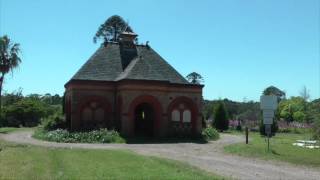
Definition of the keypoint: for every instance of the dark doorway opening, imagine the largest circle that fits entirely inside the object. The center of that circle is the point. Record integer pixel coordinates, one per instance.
(144, 120)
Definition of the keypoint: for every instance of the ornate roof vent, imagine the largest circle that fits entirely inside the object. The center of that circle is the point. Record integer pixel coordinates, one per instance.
(126, 37)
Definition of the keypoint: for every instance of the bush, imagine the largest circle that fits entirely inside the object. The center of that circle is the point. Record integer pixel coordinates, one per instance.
(25, 113)
(210, 133)
(221, 121)
(96, 136)
(3, 121)
(316, 129)
(56, 121)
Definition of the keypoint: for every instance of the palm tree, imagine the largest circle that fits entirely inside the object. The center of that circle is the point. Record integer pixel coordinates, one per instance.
(9, 58)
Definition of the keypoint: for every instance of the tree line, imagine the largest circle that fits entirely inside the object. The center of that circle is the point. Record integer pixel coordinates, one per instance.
(294, 109)
(28, 111)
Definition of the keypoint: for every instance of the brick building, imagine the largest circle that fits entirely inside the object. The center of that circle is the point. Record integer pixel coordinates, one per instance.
(131, 88)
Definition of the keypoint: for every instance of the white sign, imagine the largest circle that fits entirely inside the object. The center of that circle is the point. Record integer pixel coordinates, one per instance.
(267, 120)
(268, 102)
(268, 113)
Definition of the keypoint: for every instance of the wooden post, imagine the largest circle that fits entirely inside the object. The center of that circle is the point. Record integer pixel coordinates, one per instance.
(247, 135)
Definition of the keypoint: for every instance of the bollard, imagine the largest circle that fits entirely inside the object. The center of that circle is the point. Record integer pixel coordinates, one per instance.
(247, 135)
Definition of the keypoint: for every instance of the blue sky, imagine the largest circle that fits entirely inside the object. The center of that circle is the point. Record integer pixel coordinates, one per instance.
(239, 46)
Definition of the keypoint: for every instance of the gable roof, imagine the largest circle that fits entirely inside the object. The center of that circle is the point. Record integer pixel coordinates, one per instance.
(109, 63)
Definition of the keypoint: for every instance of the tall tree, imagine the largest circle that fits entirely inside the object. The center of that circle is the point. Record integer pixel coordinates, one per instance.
(9, 58)
(272, 90)
(221, 121)
(111, 29)
(194, 78)
(304, 93)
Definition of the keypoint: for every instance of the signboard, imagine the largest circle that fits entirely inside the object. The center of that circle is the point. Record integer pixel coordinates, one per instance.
(268, 102)
(268, 113)
(267, 120)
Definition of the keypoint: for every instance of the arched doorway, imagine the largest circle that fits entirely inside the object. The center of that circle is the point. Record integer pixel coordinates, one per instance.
(144, 118)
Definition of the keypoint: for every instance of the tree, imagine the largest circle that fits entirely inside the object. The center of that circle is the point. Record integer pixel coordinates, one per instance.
(292, 109)
(272, 90)
(194, 78)
(221, 121)
(304, 93)
(111, 29)
(9, 58)
(26, 112)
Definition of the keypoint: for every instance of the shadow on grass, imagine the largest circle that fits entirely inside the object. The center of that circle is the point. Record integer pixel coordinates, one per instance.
(275, 152)
(167, 140)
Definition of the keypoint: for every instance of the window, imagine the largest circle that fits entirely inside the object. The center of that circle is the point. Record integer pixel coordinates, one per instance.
(87, 114)
(186, 116)
(99, 115)
(175, 115)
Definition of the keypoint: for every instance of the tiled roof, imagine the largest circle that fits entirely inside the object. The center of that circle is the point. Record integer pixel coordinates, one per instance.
(111, 63)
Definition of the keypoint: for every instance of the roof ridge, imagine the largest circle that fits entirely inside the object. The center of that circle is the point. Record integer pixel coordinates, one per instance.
(127, 70)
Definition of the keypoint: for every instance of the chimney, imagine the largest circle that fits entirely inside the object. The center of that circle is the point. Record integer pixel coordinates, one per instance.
(127, 37)
(128, 50)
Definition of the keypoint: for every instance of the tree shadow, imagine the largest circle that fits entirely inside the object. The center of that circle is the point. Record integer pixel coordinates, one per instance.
(275, 152)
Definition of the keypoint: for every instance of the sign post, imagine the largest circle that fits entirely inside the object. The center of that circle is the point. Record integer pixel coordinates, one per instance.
(268, 104)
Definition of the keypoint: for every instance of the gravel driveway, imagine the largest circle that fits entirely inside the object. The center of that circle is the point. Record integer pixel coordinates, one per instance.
(209, 157)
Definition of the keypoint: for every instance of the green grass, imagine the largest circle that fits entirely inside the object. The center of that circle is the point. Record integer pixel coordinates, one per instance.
(32, 162)
(6, 130)
(281, 149)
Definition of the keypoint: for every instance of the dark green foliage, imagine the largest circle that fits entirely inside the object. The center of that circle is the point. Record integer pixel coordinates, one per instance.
(25, 113)
(195, 78)
(96, 136)
(272, 90)
(10, 98)
(274, 128)
(316, 128)
(29, 110)
(55, 121)
(221, 121)
(210, 133)
(239, 127)
(236, 110)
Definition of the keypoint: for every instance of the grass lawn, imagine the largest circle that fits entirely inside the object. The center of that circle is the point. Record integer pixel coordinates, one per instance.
(32, 162)
(11, 129)
(281, 148)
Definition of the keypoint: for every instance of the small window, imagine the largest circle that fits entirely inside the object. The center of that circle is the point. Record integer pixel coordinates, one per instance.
(186, 116)
(86, 114)
(99, 115)
(175, 115)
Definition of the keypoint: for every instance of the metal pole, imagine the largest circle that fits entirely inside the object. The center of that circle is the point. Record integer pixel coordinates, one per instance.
(268, 143)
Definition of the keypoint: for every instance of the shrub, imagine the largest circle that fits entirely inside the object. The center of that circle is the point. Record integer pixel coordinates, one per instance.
(56, 121)
(316, 129)
(24, 113)
(221, 121)
(3, 121)
(96, 136)
(210, 133)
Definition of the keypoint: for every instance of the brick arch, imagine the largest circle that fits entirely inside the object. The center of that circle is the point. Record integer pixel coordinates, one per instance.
(102, 102)
(151, 100)
(190, 104)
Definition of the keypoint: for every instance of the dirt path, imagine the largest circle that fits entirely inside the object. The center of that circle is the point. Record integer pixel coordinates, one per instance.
(209, 157)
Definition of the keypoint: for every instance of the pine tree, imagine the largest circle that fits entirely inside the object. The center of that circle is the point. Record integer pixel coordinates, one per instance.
(221, 121)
